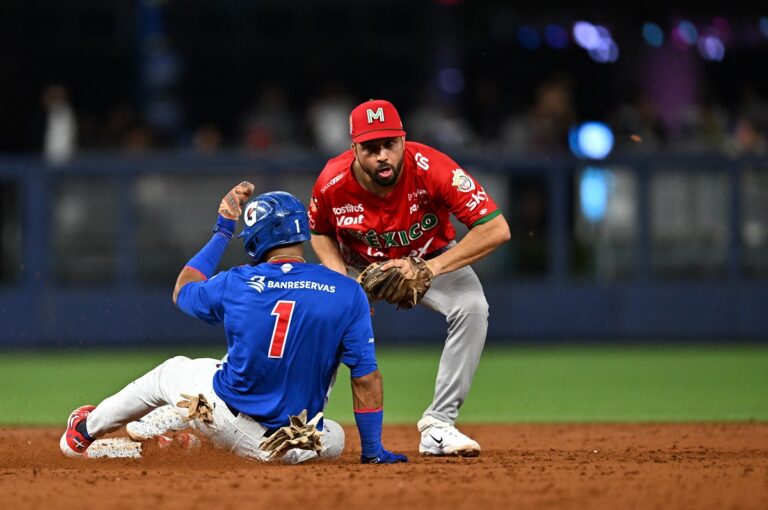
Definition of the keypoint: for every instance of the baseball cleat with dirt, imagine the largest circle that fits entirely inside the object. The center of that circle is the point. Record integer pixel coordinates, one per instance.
(73, 443)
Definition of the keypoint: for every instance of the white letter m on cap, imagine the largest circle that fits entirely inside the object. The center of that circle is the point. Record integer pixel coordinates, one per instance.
(377, 115)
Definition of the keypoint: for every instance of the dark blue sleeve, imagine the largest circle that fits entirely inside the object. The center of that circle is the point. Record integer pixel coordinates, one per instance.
(204, 299)
(359, 352)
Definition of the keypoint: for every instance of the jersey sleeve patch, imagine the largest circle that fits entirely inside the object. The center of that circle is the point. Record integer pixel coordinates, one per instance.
(461, 181)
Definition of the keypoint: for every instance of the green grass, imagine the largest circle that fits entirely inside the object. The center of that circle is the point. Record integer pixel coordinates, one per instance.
(542, 384)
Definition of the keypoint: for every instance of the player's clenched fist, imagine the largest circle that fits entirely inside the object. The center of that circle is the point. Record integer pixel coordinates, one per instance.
(231, 204)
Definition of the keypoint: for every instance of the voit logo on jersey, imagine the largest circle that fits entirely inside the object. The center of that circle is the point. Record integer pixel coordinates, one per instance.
(349, 214)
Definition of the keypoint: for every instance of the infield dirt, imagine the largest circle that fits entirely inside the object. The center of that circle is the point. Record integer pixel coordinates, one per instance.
(697, 466)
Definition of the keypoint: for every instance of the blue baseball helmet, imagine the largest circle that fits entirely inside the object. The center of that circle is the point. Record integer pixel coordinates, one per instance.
(273, 219)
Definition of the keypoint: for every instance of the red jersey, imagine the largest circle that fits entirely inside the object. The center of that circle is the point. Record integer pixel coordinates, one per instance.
(412, 220)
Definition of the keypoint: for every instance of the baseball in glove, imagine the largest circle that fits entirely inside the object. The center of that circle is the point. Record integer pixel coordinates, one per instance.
(392, 286)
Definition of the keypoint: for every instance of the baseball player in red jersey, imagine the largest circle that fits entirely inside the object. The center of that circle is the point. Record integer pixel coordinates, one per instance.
(386, 198)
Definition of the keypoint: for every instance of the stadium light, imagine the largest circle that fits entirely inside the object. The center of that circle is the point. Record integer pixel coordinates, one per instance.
(722, 29)
(711, 48)
(592, 140)
(556, 36)
(684, 35)
(593, 193)
(585, 34)
(596, 40)
(653, 34)
(528, 38)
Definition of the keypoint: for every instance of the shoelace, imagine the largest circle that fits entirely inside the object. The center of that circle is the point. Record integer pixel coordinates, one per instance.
(452, 432)
(455, 433)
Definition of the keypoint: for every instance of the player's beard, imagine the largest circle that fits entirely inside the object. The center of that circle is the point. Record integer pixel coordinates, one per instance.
(386, 181)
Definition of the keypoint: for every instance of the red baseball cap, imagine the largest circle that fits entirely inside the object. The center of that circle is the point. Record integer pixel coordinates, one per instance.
(374, 119)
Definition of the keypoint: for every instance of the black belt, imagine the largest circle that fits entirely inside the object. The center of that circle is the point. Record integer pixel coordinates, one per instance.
(235, 412)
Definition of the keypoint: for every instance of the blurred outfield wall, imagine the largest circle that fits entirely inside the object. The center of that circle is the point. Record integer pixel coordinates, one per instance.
(654, 247)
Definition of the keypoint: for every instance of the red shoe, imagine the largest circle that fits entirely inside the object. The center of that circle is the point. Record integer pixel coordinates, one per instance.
(73, 443)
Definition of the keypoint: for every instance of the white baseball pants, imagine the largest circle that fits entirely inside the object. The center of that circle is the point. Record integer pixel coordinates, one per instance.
(164, 385)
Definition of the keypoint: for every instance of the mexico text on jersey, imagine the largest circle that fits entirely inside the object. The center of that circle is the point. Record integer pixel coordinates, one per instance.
(414, 219)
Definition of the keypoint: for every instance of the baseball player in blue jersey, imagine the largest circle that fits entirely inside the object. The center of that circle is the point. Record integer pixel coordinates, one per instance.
(288, 325)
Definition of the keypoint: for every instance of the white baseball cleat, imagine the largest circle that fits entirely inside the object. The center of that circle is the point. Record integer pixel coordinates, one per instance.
(160, 421)
(441, 438)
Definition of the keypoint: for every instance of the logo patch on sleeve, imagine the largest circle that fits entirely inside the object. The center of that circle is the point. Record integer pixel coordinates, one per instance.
(462, 181)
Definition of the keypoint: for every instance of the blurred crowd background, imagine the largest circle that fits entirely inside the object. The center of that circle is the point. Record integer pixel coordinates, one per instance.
(148, 75)
(625, 143)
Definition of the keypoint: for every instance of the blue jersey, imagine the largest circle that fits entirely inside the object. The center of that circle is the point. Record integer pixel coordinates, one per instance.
(288, 327)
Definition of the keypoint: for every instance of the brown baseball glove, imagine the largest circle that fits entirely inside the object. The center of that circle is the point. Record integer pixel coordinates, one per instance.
(198, 406)
(392, 286)
(300, 434)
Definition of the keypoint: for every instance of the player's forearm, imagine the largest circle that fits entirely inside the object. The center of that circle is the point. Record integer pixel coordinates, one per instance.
(479, 242)
(368, 392)
(204, 263)
(327, 250)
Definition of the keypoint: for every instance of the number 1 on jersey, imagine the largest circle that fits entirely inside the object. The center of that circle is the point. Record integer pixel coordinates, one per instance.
(283, 310)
